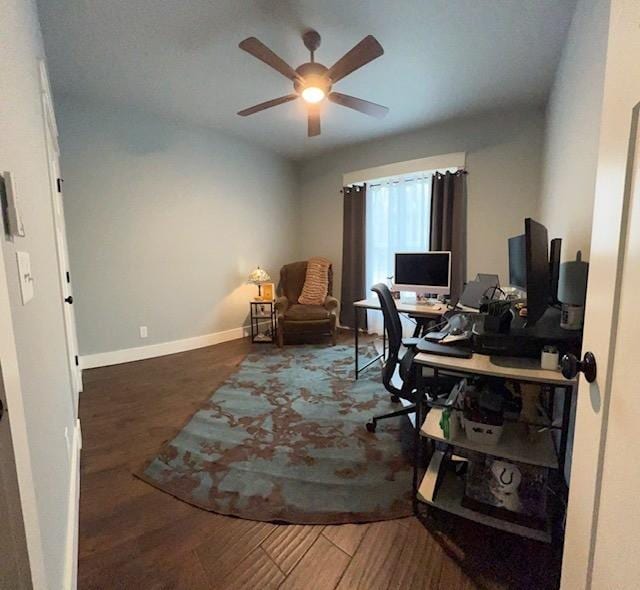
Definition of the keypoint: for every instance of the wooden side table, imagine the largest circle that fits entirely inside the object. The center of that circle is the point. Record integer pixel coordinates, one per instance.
(263, 322)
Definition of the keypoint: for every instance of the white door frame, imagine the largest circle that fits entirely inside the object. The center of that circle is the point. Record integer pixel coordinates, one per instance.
(55, 185)
(620, 97)
(71, 339)
(617, 531)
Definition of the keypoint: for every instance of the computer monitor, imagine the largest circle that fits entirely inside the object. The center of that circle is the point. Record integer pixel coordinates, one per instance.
(554, 268)
(423, 272)
(485, 285)
(538, 275)
(518, 262)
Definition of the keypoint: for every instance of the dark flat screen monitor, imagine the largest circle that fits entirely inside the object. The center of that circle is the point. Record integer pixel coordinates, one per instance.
(538, 276)
(518, 262)
(554, 268)
(423, 272)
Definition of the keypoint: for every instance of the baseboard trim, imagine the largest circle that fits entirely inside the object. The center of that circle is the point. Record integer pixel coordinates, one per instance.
(73, 512)
(127, 355)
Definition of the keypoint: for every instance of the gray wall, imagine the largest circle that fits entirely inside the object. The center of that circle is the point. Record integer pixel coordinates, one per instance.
(39, 333)
(573, 129)
(572, 135)
(165, 222)
(504, 151)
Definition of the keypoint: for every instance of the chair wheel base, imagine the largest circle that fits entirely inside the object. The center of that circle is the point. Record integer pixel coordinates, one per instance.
(371, 426)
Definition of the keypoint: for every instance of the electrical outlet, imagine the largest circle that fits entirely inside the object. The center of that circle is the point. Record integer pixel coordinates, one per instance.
(143, 332)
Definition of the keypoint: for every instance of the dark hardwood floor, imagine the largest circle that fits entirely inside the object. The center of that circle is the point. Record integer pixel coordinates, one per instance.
(135, 536)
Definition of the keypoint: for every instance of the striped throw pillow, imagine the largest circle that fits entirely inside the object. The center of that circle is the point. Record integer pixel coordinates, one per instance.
(316, 282)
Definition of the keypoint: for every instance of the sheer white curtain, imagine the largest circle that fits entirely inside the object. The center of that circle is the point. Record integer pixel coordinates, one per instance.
(398, 220)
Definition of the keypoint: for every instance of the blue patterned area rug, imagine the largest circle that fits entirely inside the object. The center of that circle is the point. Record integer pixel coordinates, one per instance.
(284, 439)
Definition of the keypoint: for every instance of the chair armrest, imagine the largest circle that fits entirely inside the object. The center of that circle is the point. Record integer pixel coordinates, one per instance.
(282, 304)
(410, 342)
(330, 303)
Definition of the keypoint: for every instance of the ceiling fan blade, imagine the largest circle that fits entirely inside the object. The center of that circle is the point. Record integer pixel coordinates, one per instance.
(313, 122)
(358, 104)
(367, 50)
(263, 53)
(267, 105)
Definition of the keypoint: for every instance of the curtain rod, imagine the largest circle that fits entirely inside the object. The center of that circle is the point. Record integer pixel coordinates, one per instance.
(358, 185)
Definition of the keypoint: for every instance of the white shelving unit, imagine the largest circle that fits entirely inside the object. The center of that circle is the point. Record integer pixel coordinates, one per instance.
(442, 488)
(445, 491)
(515, 442)
(518, 369)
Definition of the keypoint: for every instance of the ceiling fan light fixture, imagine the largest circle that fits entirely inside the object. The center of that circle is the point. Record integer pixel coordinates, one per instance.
(313, 94)
(313, 82)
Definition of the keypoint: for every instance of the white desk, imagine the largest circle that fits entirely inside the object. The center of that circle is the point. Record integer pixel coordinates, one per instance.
(422, 310)
(417, 309)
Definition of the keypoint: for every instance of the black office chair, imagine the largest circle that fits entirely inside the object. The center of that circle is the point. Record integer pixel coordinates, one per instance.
(407, 391)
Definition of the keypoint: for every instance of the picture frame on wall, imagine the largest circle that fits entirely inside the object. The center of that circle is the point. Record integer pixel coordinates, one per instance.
(268, 292)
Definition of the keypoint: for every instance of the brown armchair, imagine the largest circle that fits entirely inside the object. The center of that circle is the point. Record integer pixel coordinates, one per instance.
(298, 319)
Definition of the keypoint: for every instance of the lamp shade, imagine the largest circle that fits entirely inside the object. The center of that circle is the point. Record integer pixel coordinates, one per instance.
(258, 276)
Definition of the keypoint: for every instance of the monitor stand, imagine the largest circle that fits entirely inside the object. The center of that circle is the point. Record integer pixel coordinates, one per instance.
(527, 341)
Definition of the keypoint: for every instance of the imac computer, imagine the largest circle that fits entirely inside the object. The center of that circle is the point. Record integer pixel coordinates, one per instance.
(425, 273)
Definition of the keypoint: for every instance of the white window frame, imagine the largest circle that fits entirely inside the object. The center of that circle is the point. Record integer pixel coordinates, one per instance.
(407, 168)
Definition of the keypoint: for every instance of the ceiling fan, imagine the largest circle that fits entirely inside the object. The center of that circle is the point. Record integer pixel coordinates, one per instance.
(313, 81)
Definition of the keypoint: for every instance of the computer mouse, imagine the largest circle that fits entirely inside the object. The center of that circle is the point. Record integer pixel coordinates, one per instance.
(457, 331)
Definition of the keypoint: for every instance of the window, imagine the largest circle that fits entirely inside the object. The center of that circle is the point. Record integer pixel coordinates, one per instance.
(398, 220)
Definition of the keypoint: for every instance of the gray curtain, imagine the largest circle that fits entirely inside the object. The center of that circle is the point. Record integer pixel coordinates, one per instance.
(449, 223)
(353, 255)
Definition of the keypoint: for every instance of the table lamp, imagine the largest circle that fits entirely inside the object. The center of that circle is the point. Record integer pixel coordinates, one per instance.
(258, 277)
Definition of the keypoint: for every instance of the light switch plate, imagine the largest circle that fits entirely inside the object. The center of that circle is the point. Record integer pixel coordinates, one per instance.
(24, 275)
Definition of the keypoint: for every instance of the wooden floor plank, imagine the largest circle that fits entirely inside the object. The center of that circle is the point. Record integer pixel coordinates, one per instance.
(223, 552)
(452, 576)
(321, 568)
(257, 570)
(110, 489)
(162, 554)
(151, 511)
(288, 543)
(372, 566)
(345, 536)
(170, 575)
(418, 564)
(188, 575)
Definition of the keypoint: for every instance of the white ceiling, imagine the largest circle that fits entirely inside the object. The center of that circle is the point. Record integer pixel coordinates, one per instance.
(180, 58)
